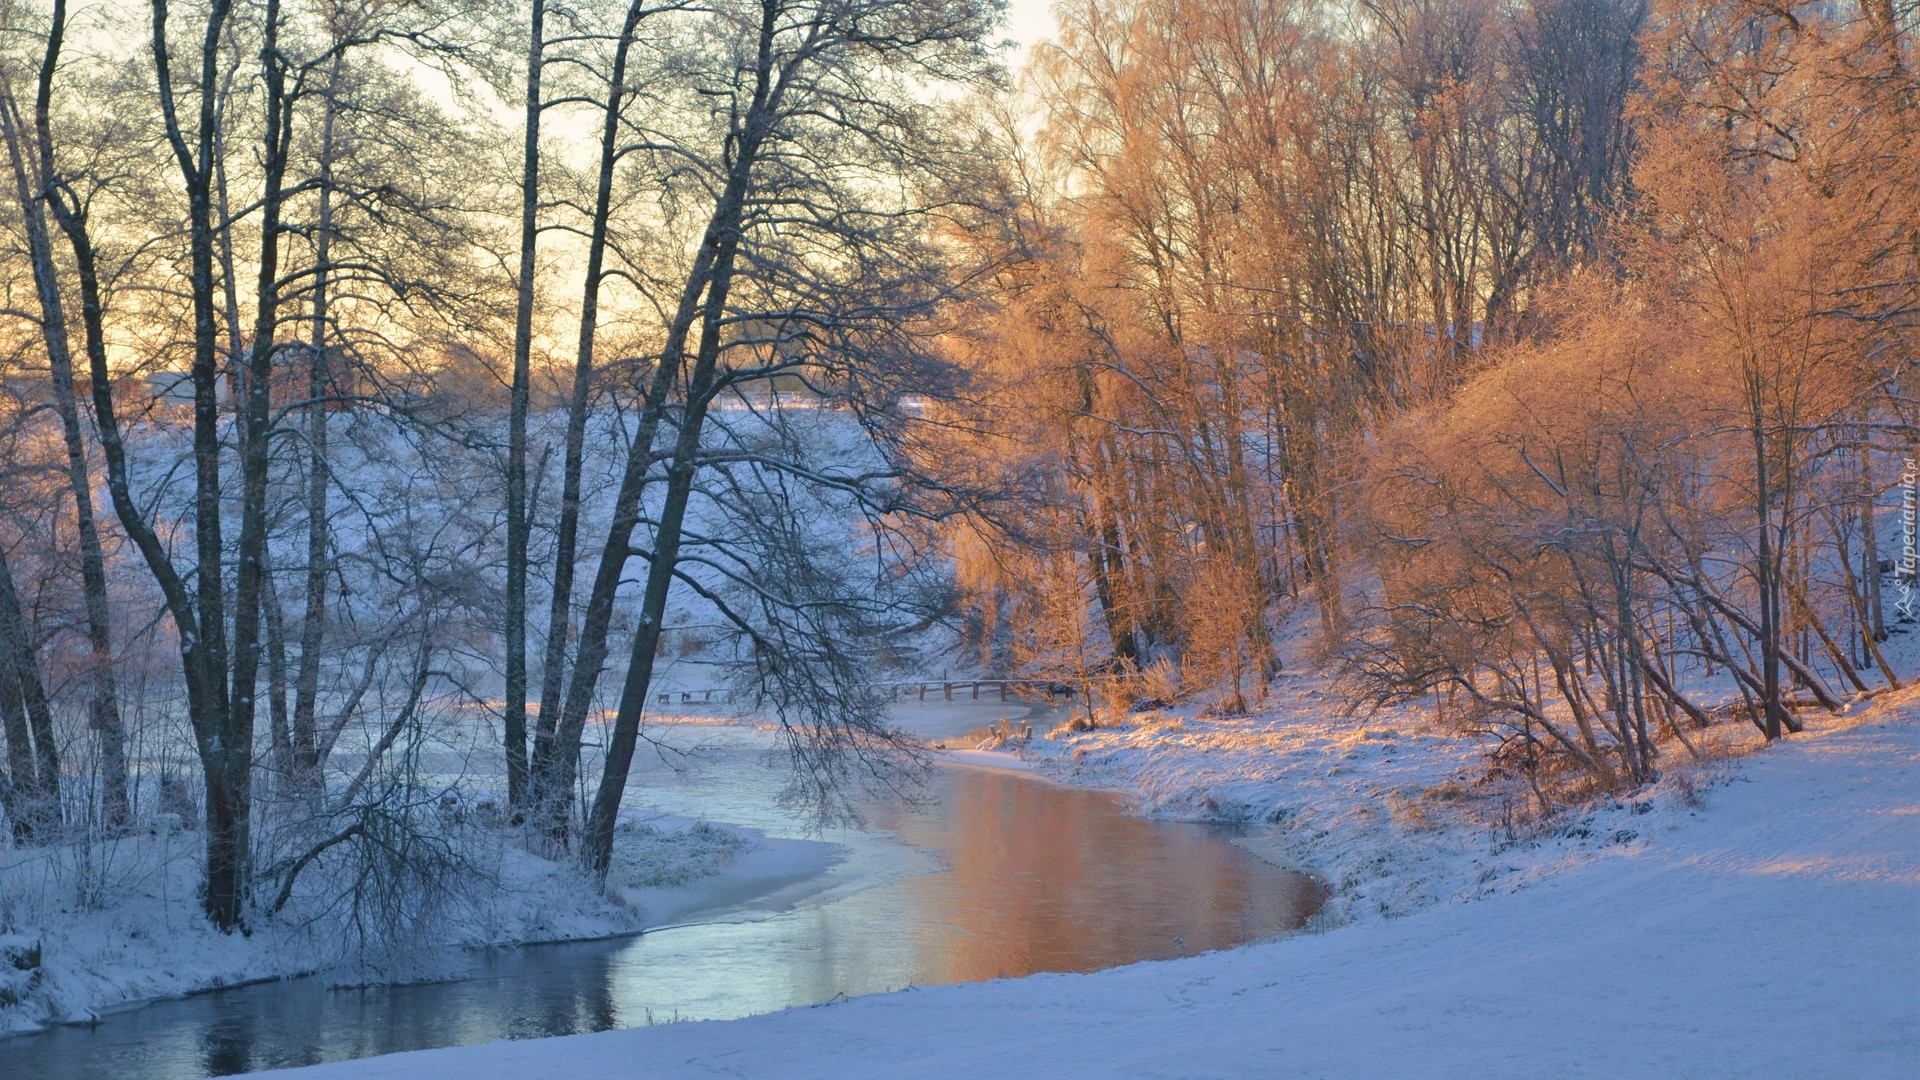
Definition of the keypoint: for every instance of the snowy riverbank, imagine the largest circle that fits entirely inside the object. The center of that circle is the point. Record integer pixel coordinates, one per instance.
(1390, 812)
(1764, 917)
(143, 938)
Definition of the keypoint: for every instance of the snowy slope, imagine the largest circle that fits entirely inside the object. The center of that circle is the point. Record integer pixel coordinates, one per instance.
(1392, 812)
(1770, 928)
(145, 938)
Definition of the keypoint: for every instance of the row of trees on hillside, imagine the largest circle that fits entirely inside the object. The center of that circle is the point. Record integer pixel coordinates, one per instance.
(1557, 357)
(388, 387)
(345, 518)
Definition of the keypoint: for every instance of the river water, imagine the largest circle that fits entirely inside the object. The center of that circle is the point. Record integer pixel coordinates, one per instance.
(992, 875)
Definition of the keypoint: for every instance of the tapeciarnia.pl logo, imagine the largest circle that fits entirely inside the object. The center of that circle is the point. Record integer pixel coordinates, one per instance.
(1909, 566)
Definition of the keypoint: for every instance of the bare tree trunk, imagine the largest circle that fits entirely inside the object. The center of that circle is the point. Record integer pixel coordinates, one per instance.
(1872, 612)
(712, 273)
(21, 674)
(1766, 579)
(279, 742)
(313, 621)
(519, 525)
(237, 741)
(561, 762)
(226, 756)
(203, 700)
(663, 560)
(590, 658)
(103, 707)
(566, 546)
(20, 792)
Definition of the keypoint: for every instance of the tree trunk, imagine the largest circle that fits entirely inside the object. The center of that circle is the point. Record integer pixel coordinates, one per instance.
(103, 707)
(225, 751)
(313, 621)
(597, 843)
(713, 272)
(566, 545)
(279, 743)
(20, 673)
(1872, 611)
(1767, 583)
(20, 792)
(519, 525)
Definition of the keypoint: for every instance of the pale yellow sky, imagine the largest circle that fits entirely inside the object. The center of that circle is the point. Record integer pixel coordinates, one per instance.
(1028, 21)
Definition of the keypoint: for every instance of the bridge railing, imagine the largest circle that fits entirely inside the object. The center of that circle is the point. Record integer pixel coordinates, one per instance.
(971, 689)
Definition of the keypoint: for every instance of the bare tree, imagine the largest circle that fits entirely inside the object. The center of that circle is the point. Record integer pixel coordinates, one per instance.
(519, 525)
(33, 752)
(567, 528)
(31, 180)
(788, 75)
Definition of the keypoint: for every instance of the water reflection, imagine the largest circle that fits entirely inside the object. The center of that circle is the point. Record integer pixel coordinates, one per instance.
(1026, 877)
(1046, 879)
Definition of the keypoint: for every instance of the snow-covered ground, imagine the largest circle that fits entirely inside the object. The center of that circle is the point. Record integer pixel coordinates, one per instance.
(117, 922)
(143, 936)
(1390, 811)
(1759, 915)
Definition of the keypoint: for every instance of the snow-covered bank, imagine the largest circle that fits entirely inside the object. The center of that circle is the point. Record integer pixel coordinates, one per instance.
(1769, 925)
(767, 871)
(144, 937)
(1390, 812)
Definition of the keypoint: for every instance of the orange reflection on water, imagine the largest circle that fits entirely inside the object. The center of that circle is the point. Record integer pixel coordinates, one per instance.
(1046, 878)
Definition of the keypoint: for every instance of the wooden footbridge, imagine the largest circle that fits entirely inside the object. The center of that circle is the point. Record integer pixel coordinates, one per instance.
(947, 689)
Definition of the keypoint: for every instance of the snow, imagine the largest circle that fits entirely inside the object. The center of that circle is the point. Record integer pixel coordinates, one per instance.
(1391, 812)
(769, 872)
(988, 759)
(119, 923)
(144, 937)
(1761, 918)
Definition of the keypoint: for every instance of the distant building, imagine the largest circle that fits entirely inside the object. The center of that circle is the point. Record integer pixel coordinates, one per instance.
(291, 384)
(293, 377)
(35, 387)
(171, 387)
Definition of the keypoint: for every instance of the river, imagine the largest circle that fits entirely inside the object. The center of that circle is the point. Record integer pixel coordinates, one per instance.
(992, 875)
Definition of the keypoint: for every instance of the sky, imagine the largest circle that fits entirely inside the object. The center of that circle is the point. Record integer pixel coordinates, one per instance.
(1028, 21)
